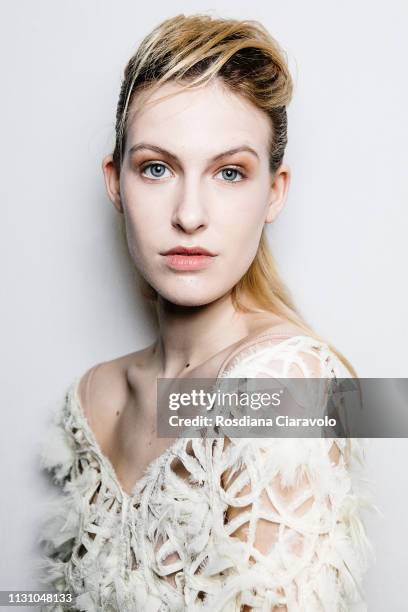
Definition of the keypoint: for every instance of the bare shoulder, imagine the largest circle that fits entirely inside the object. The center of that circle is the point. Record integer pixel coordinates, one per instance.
(267, 333)
(267, 323)
(267, 329)
(103, 389)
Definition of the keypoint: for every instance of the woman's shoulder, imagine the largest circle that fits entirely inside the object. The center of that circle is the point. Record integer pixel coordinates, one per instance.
(103, 390)
(287, 351)
(70, 415)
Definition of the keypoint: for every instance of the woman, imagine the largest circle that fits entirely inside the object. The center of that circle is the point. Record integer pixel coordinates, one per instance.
(223, 524)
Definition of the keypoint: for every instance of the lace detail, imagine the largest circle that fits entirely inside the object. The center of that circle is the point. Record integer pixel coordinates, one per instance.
(220, 524)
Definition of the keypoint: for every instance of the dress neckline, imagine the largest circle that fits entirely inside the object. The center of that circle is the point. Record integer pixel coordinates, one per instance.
(83, 423)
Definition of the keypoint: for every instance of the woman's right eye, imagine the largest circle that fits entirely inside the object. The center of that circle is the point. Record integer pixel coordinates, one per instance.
(155, 169)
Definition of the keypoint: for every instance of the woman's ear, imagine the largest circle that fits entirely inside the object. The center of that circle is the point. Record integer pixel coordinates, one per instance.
(278, 192)
(112, 182)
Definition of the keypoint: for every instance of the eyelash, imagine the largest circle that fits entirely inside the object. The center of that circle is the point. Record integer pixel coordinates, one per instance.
(143, 168)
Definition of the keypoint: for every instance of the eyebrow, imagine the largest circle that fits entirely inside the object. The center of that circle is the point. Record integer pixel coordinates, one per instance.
(151, 147)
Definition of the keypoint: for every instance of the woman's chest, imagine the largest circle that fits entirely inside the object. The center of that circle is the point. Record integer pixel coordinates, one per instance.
(134, 441)
(149, 538)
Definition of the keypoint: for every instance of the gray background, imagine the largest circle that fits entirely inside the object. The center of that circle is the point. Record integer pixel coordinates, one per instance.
(68, 291)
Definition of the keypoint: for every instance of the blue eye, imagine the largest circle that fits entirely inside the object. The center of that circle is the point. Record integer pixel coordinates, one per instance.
(156, 169)
(230, 174)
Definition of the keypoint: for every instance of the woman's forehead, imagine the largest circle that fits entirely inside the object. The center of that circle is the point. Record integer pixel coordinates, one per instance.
(210, 117)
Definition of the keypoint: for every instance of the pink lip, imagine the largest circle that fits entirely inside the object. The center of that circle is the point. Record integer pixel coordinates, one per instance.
(188, 258)
(183, 250)
(188, 262)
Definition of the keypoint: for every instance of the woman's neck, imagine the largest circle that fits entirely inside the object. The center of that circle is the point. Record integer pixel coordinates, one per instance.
(188, 336)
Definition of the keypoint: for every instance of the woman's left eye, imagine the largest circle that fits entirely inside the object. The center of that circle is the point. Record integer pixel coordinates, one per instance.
(230, 174)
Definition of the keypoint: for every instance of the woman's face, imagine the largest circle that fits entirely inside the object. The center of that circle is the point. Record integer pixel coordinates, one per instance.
(195, 174)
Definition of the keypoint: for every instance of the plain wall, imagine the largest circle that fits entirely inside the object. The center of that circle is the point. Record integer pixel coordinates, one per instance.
(69, 294)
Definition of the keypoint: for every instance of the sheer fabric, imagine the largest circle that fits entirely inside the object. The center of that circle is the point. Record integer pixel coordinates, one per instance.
(228, 524)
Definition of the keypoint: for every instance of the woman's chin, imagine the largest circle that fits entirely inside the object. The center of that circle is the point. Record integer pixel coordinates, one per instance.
(190, 297)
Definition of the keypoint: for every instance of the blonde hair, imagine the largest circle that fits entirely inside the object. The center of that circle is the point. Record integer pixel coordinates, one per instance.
(194, 50)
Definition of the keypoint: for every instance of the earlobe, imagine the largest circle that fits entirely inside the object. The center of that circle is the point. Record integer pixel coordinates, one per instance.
(279, 190)
(269, 216)
(112, 182)
(274, 209)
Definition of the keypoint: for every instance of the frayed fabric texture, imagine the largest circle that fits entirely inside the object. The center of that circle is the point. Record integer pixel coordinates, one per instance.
(250, 522)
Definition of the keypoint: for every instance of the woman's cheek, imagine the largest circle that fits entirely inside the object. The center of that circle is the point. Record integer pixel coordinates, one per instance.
(134, 235)
(243, 227)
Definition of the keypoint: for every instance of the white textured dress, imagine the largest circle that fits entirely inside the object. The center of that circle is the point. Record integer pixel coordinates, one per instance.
(114, 550)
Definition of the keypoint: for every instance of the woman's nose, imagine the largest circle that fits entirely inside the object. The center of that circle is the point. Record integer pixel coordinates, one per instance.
(190, 211)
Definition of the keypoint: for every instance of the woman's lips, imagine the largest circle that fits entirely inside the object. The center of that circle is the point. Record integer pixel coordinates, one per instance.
(179, 261)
